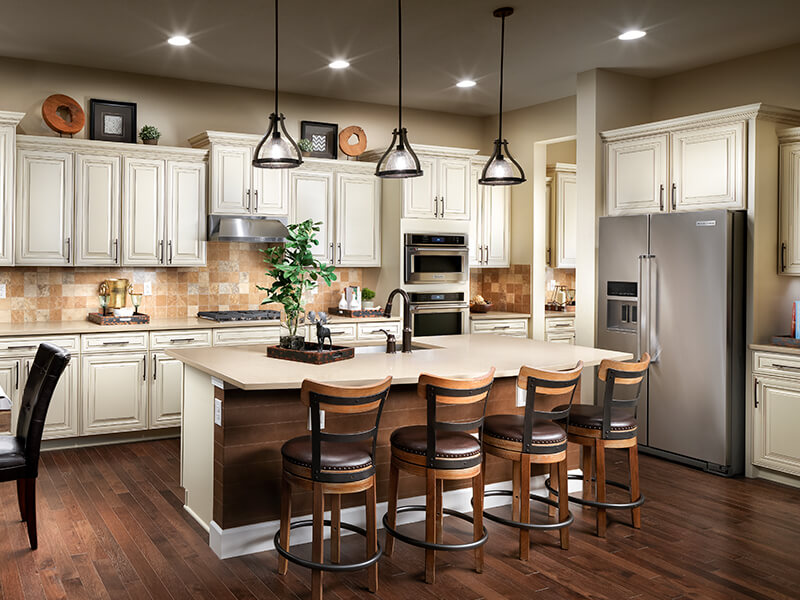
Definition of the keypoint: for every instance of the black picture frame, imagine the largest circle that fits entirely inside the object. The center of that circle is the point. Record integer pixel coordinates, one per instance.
(112, 121)
(330, 131)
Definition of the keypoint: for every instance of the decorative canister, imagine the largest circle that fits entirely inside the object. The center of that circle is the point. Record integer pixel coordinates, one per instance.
(118, 292)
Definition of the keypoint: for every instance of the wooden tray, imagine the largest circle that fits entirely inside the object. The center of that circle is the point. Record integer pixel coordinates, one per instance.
(364, 313)
(785, 340)
(311, 355)
(137, 319)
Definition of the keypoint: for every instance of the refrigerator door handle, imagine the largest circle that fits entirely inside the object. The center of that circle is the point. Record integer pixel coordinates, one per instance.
(646, 335)
(642, 322)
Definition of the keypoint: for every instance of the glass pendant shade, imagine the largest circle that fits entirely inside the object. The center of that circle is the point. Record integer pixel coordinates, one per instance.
(501, 168)
(399, 160)
(277, 149)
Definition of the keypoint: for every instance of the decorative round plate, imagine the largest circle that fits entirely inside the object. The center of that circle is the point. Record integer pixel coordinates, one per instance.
(51, 116)
(352, 149)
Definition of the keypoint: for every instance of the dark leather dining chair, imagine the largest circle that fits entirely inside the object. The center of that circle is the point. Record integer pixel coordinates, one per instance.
(19, 454)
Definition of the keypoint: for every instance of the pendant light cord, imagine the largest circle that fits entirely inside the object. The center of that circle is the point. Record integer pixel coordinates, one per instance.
(276, 58)
(399, 66)
(502, 55)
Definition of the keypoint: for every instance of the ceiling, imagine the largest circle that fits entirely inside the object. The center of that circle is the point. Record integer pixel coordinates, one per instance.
(445, 40)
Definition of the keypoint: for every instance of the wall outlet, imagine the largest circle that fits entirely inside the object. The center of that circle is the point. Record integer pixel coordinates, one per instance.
(148, 288)
(2, 290)
(217, 412)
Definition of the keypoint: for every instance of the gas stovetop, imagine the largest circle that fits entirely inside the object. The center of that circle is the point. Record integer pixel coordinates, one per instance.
(240, 315)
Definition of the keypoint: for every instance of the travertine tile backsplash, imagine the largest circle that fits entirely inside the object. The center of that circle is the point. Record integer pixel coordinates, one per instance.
(509, 289)
(227, 283)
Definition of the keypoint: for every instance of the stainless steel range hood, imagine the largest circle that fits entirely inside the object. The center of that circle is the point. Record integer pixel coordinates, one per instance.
(246, 229)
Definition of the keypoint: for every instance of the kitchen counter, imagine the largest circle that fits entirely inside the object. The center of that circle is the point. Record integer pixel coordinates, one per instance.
(498, 314)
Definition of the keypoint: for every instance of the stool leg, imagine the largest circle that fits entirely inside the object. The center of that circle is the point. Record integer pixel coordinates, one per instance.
(563, 502)
(30, 511)
(318, 540)
(633, 461)
(586, 467)
(286, 522)
(21, 498)
(391, 509)
(515, 470)
(430, 525)
(525, 505)
(600, 467)
(477, 518)
(554, 483)
(439, 511)
(372, 535)
(336, 528)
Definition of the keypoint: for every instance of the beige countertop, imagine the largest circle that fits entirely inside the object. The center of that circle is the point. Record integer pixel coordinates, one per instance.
(248, 368)
(498, 314)
(558, 313)
(78, 327)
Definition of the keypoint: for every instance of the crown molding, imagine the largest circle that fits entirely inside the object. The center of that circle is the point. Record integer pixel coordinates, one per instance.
(10, 118)
(109, 148)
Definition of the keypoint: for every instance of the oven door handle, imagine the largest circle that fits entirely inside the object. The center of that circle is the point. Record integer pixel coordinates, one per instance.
(439, 308)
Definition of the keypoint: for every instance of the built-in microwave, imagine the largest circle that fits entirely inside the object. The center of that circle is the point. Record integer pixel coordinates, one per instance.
(445, 313)
(436, 258)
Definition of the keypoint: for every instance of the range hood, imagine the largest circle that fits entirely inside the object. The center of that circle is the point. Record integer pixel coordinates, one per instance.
(223, 228)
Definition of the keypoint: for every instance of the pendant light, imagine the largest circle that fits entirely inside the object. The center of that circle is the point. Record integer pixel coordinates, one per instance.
(501, 168)
(399, 160)
(277, 149)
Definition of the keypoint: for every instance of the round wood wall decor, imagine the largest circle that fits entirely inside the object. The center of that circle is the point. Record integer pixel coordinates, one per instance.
(352, 149)
(51, 116)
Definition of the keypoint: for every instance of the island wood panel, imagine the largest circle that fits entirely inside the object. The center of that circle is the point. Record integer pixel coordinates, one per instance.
(255, 424)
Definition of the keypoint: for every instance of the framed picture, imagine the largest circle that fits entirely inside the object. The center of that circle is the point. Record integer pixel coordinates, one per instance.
(112, 121)
(323, 138)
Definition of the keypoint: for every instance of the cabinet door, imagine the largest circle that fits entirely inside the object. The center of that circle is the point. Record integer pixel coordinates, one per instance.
(114, 392)
(636, 175)
(97, 209)
(565, 220)
(9, 381)
(776, 413)
(358, 220)
(454, 188)
(312, 198)
(166, 391)
(143, 211)
(7, 149)
(708, 168)
(497, 225)
(476, 192)
(186, 214)
(231, 169)
(789, 257)
(419, 192)
(62, 414)
(44, 207)
(269, 192)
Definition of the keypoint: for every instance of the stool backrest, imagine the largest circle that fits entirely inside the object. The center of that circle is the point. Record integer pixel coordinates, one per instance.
(539, 382)
(344, 400)
(451, 392)
(617, 373)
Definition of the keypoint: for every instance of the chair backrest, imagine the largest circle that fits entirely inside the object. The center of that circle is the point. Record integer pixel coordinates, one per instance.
(46, 370)
(343, 400)
(617, 373)
(539, 382)
(451, 392)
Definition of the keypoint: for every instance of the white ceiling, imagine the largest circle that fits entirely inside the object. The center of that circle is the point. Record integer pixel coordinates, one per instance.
(445, 40)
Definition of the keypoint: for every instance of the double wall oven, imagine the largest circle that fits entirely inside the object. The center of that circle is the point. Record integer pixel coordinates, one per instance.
(439, 313)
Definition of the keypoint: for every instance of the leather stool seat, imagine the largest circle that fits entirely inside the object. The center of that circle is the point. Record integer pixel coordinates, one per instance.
(587, 416)
(12, 457)
(334, 456)
(509, 428)
(449, 444)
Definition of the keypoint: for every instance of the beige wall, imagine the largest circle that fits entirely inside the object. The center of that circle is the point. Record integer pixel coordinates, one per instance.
(181, 109)
(563, 152)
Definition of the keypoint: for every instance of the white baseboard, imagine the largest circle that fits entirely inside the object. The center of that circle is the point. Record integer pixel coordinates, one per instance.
(258, 537)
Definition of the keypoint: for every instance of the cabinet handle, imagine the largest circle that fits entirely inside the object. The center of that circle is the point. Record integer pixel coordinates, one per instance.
(755, 392)
(69, 248)
(561, 325)
(176, 340)
(27, 369)
(436, 207)
(337, 332)
(169, 245)
(16, 373)
(116, 250)
(144, 368)
(501, 327)
(442, 211)
(674, 189)
(248, 200)
(548, 257)
(661, 198)
(120, 343)
(486, 256)
(339, 245)
(783, 256)
(32, 347)
(333, 255)
(161, 251)
(255, 202)
(785, 367)
(155, 362)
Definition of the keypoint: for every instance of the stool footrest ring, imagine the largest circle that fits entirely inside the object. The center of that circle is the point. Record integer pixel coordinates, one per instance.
(308, 564)
(519, 524)
(594, 503)
(433, 545)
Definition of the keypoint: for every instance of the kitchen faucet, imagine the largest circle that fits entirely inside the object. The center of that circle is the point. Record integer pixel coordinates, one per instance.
(387, 312)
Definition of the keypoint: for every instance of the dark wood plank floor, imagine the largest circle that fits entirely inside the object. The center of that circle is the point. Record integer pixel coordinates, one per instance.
(111, 525)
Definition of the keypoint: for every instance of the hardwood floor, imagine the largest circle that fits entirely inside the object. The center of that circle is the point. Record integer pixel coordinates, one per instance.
(111, 525)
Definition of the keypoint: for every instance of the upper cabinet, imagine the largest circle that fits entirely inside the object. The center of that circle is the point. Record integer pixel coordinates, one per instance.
(563, 215)
(8, 140)
(97, 209)
(636, 175)
(789, 247)
(490, 226)
(185, 227)
(143, 211)
(312, 198)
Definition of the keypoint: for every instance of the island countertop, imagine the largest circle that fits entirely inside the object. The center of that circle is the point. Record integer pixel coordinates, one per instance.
(248, 367)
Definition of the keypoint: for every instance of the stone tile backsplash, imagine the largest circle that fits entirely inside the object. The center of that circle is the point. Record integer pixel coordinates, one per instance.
(228, 282)
(509, 289)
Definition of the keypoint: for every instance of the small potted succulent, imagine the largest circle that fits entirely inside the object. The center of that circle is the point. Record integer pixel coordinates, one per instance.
(367, 297)
(305, 147)
(149, 134)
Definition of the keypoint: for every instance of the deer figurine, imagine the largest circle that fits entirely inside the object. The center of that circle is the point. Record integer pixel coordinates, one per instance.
(323, 333)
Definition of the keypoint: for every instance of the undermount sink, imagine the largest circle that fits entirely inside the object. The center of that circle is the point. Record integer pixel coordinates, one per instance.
(381, 349)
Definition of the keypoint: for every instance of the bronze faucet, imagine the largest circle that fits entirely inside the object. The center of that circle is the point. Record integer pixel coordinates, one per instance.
(387, 312)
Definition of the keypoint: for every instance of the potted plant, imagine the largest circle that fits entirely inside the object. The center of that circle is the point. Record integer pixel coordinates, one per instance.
(149, 134)
(305, 147)
(295, 270)
(367, 295)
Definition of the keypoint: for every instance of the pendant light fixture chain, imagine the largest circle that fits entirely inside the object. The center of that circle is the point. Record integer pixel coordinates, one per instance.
(399, 64)
(276, 57)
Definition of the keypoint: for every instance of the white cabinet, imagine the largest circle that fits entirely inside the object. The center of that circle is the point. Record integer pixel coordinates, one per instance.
(508, 327)
(340, 332)
(442, 192)
(312, 198)
(166, 391)
(97, 210)
(62, 414)
(490, 226)
(186, 214)
(776, 412)
(636, 175)
(44, 207)
(453, 175)
(234, 336)
(563, 216)
(8, 125)
(420, 192)
(560, 330)
(10, 382)
(789, 249)
(269, 192)
(143, 211)
(114, 392)
(358, 220)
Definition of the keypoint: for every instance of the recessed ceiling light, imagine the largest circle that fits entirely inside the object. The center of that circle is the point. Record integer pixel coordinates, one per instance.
(179, 40)
(339, 64)
(632, 34)
(465, 83)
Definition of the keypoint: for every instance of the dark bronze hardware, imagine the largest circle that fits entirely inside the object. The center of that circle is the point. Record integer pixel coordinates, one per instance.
(387, 312)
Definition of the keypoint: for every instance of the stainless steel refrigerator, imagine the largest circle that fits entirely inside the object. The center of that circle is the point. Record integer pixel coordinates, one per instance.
(672, 285)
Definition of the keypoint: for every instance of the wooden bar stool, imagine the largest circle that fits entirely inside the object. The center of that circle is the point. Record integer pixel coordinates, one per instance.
(335, 464)
(438, 451)
(531, 438)
(612, 425)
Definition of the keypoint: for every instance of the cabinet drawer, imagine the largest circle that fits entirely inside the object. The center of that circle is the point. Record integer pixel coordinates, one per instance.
(562, 337)
(27, 346)
(560, 324)
(776, 364)
(247, 335)
(114, 342)
(515, 327)
(161, 340)
(372, 331)
(340, 332)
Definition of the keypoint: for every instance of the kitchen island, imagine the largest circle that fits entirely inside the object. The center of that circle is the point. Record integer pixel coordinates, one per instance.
(240, 407)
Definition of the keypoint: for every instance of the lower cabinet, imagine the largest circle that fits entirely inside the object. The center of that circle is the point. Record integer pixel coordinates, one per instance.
(776, 412)
(166, 391)
(509, 327)
(114, 395)
(62, 415)
(560, 330)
